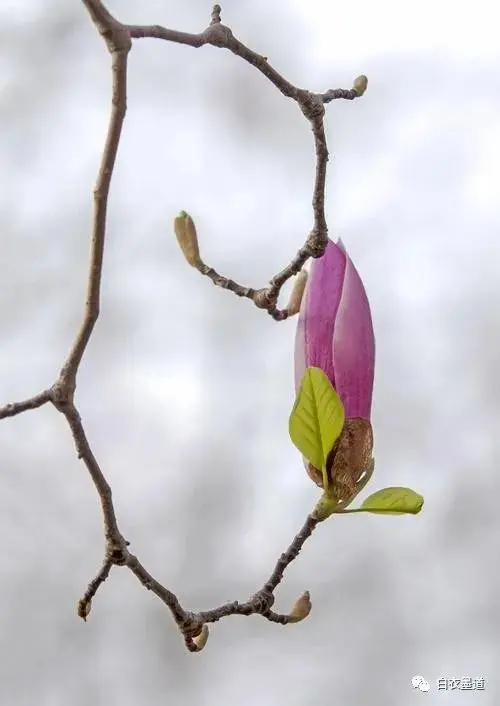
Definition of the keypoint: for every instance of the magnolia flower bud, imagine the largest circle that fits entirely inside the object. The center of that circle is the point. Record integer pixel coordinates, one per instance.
(187, 238)
(335, 334)
(360, 84)
(201, 640)
(296, 296)
(301, 608)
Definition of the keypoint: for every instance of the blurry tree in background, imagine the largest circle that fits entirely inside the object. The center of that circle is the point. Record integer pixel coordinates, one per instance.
(411, 192)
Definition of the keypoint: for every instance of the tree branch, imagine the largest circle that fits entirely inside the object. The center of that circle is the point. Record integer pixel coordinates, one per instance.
(312, 106)
(118, 38)
(119, 44)
(12, 408)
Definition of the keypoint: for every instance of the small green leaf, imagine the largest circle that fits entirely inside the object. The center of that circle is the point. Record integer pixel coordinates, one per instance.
(392, 501)
(317, 417)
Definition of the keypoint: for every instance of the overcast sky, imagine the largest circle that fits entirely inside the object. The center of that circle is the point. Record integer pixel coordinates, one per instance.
(185, 390)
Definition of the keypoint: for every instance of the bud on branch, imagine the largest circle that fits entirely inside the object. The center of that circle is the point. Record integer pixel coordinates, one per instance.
(187, 238)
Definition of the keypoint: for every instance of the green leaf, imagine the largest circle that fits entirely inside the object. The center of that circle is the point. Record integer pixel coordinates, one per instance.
(392, 501)
(317, 417)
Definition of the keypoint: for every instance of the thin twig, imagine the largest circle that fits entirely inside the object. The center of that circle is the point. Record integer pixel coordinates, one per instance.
(181, 617)
(312, 106)
(263, 600)
(115, 542)
(85, 603)
(291, 553)
(119, 44)
(279, 618)
(12, 408)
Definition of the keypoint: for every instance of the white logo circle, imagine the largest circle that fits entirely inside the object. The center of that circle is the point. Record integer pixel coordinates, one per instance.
(418, 682)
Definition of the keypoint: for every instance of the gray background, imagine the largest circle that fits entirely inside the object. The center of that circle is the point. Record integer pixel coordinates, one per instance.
(185, 390)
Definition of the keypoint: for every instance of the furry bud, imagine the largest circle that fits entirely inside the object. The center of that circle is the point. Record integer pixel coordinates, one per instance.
(360, 84)
(301, 609)
(187, 238)
(297, 292)
(201, 640)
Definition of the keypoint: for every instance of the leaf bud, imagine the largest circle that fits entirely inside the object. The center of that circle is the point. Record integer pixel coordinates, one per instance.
(297, 292)
(301, 608)
(187, 238)
(201, 640)
(360, 84)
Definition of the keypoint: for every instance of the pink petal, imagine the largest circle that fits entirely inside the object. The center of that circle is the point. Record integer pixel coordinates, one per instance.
(315, 328)
(354, 346)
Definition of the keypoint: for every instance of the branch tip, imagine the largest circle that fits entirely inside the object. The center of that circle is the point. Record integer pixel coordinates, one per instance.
(215, 17)
(83, 609)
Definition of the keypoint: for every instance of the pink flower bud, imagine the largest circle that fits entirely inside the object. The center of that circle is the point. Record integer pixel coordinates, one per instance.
(335, 331)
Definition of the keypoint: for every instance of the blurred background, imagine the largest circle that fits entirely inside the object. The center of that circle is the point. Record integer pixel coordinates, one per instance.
(185, 390)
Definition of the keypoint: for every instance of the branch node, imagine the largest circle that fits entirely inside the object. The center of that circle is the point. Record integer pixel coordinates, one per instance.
(311, 105)
(195, 632)
(117, 552)
(219, 35)
(263, 299)
(62, 392)
(262, 601)
(316, 243)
